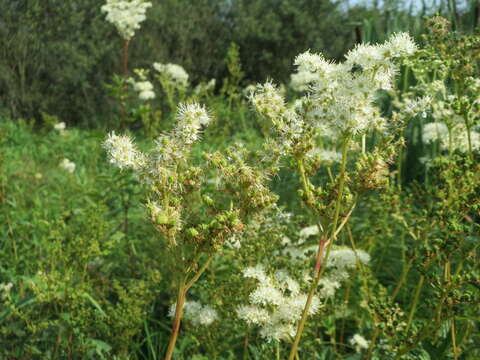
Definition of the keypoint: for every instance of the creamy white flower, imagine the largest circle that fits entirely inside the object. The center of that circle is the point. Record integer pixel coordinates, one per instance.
(359, 342)
(268, 101)
(434, 131)
(342, 96)
(345, 258)
(266, 293)
(67, 165)
(285, 282)
(365, 55)
(328, 287)
(326, 156)
(206, 316)
(248, 90)
(122, 152)
(126, 15)
(196, 313)
(145, 90)
(278, 331)
(308, 231)
(191, 117)
(461, 140)
(6, 287)
(399, 44)
(257, 272)
(60, 126)
(173, 72)
(253, 314)
(302, 80)
(277, 304)
(312, 63)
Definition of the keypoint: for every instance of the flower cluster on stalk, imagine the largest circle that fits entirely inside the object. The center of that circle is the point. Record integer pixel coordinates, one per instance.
(126, 15)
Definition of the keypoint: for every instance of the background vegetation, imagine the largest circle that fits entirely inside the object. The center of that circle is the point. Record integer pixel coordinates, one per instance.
(57, 54)
(86, 264)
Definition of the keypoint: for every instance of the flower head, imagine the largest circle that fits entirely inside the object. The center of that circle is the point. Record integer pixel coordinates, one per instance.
(175, 73)
(126, 15)
(123, 152)
(67, 165)
(59, 126)
(191, 117)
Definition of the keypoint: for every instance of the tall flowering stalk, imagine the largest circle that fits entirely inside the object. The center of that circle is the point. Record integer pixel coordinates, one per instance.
(126, 16)
(340, 109)
(194, 220)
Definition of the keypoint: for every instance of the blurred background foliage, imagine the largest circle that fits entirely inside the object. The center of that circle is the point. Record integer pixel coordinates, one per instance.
(56, 54)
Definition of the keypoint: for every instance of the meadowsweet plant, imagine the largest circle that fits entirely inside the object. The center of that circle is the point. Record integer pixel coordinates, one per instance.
(340, 105)
(194, 221)
(174, 81)
(126, 16)
(446, 70)
(278, 300)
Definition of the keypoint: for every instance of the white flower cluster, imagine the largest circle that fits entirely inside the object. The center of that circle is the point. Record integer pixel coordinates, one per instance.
(67, 165)
(126, 15)
(143, 87)
(176, 74)
(342, 95)
(248, 90)
(268, 101)
(191, 118)
(339, 262)
(302, 80)
(60, 127)
(359, 342)
(122, 152)
(205, 88)
(438, 132)
(409, 108)
(196, 313)
(326, 156)
(344, 258)
(5, 290)
(276, 304)
(169, 149)
(308, 231)
(433, 132)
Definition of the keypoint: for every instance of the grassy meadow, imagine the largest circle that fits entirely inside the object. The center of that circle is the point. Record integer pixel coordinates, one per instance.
(190, 181)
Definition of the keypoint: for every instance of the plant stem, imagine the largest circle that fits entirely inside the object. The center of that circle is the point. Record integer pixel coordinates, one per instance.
(324, 243)
(125, 76)
(245, 346)
(181, 297)
(199, 273)
(415, 303)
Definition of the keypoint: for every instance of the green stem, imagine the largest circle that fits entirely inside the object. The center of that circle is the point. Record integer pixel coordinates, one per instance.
(403, 277)
(415, 302)
(324, 242)
(305, 182)
(199, 273)
(181, 297)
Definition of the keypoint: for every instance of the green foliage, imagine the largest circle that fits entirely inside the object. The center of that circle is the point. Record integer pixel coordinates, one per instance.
(89, 261)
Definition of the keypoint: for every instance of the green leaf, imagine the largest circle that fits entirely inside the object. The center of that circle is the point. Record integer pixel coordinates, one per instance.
(94, 303)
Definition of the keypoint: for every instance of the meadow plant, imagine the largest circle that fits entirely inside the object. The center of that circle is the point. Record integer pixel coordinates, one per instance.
(193, 221)
(126, 16)
(340, 104)
(174, 81)
(445, 70)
